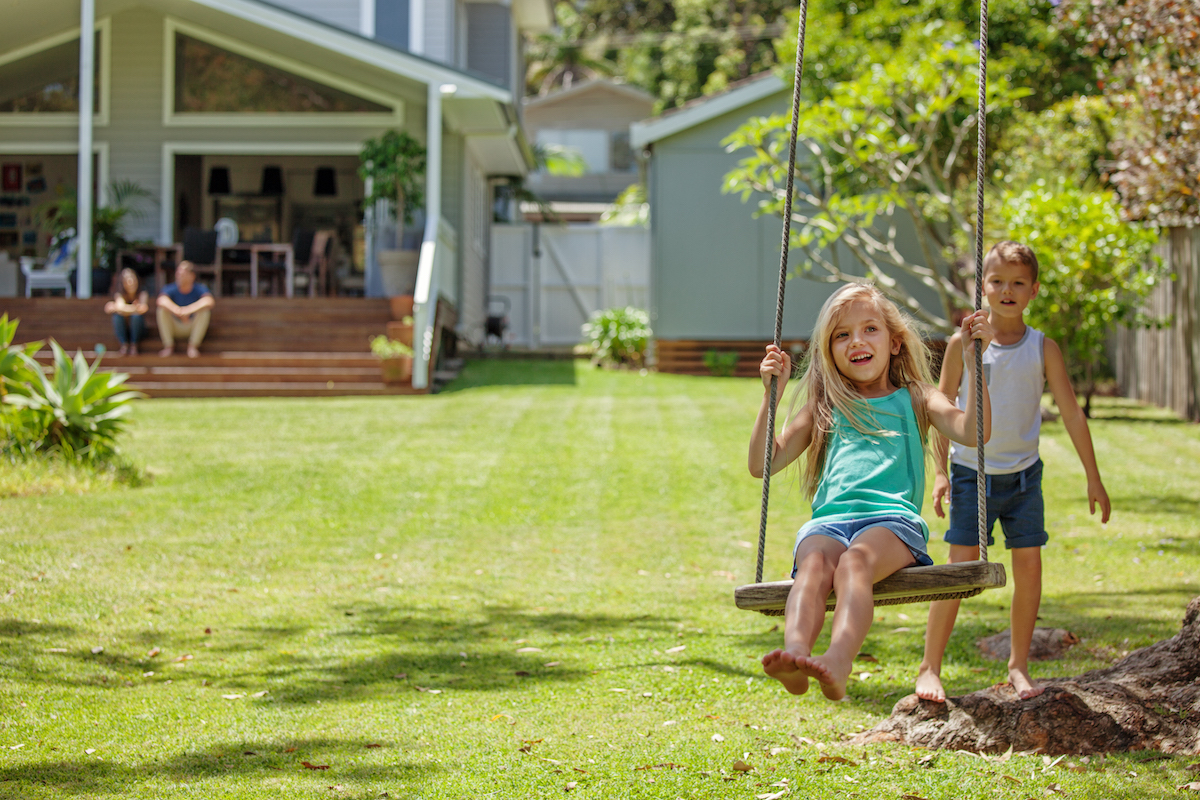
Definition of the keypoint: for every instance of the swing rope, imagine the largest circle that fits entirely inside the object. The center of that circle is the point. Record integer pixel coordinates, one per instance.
(980, 484)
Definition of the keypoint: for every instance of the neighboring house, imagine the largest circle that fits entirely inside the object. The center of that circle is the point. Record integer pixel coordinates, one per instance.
(594, 119)
(714, 267)
(257, 111)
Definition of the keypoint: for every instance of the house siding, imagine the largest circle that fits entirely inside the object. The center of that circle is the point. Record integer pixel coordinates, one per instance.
(490, 41)
(440, 30)
(342, 13)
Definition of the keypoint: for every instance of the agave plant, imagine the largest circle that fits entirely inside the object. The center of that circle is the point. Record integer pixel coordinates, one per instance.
(13, 368)
(76, 409)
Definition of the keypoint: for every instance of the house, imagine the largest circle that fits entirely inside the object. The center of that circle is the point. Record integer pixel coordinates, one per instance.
(593, 118)
(257, 111)
(714, 267)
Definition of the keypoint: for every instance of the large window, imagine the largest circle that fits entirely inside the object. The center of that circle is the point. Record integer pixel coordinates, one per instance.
(46, 82)
(210, 79)
(591, 144)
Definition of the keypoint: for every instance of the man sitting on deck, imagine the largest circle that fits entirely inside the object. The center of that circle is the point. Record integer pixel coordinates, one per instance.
(184, 308)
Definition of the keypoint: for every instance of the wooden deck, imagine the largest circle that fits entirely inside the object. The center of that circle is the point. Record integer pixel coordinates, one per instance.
(260, 347)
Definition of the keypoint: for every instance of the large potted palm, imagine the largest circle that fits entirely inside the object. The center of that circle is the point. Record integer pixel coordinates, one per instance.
(58, 218)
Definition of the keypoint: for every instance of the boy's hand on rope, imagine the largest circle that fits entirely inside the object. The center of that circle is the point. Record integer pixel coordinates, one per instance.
(976, 326)
(778, 363)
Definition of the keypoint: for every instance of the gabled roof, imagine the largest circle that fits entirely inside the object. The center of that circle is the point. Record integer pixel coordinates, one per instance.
(589, 87)
(703, 109)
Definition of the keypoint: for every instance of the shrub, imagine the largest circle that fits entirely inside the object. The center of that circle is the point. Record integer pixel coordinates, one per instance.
(76, 410)
(618, 336)
(383, 347)
(719, 363)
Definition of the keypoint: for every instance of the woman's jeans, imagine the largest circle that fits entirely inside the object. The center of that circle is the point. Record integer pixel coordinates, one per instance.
(129, 329)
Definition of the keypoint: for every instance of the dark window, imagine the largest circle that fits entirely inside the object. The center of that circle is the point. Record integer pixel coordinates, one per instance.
(391, 22)
(47, 81)
(621, 155)
(209, 79)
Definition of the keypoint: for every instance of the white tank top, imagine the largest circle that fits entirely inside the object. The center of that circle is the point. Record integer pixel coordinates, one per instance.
(1016, 377)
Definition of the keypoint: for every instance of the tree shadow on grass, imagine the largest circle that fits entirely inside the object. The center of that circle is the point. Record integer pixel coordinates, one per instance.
(1163, 504)
(237, 759)
(512, 372)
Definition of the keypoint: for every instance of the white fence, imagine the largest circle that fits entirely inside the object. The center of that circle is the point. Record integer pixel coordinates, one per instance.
(555, 276)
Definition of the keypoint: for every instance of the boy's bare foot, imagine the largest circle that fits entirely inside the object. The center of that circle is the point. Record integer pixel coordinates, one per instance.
(193, 352)
(167, 351)
(929, 685)
(1023, 684)
(785, 668)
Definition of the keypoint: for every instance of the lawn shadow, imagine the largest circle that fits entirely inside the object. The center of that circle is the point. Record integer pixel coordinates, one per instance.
(1165, 504)
(242, 760)
(478, 373)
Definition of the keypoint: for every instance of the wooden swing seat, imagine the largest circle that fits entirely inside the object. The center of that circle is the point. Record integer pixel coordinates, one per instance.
(909, 585)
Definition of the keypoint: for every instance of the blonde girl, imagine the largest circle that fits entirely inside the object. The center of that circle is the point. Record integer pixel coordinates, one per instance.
(867, 404)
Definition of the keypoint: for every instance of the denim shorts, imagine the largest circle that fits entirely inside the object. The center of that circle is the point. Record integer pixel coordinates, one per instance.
(1014, 499)
(846, 531)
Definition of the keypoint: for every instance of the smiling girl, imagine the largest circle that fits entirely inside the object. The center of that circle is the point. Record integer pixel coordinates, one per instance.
(867, 406)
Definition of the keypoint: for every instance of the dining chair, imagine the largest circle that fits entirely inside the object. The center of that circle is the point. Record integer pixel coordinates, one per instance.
(200, 248)
(311, 251)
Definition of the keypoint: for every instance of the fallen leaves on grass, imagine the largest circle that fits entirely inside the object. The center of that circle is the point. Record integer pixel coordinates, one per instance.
(372, 745)
(527, 745)
(529, 649)
(741, 766)
(184, 657)
(716, 737)
(97, 650)
(401, 676)
(772, 796)
(232, 696)
(678, 649)
(153, 652)
(552, 664)
(425, 689)
(866, 657)
(309, 765)
(1194, 786)
(663, 765)
(521, 673)
(835, 760)
(911, 797)
(570, 785)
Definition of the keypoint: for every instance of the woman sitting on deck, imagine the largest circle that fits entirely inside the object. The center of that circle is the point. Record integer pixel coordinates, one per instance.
(128, 307)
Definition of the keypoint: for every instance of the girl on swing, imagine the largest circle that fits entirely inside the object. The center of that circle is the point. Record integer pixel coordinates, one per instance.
(868, 402)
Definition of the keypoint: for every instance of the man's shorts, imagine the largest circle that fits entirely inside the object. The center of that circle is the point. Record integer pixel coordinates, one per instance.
(1014, 499)
(846, 531)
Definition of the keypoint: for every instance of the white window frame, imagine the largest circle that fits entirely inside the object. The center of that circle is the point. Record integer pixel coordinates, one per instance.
(66, 119)
(166, 222)
(171, 118)
(99, 149)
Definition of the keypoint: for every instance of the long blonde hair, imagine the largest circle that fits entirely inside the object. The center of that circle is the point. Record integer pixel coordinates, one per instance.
(825, 389)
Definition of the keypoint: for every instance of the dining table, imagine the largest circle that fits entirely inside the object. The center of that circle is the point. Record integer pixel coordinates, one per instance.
(274, 251)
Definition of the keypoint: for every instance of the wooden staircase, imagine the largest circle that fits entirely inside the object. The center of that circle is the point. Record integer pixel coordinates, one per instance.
(255, 347)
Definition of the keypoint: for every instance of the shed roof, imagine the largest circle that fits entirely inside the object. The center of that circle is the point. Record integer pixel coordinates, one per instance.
(703, 109)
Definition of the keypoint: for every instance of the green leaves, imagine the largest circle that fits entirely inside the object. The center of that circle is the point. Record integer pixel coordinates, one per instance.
(618, 335)
(1096, 269)
(76, 409)
(395, 162)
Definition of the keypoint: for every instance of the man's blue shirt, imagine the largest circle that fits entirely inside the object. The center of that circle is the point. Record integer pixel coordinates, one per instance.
(171, 290)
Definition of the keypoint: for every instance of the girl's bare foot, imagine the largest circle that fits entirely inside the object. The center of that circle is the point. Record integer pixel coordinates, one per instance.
(929, 685)
(133, 350)
(123, 350)
(831, 674)
(784, 667)
(1023, 684)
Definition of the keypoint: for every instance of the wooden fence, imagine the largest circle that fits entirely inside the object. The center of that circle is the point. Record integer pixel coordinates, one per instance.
(1162, 366)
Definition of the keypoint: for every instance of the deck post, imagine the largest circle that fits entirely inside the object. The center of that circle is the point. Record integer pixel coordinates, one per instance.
(83, 201)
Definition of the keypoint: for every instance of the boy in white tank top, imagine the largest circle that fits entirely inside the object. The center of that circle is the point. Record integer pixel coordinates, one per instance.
(1018, 365)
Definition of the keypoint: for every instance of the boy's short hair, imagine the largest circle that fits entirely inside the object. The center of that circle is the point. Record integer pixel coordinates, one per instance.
(1012, 253)
(187, 266)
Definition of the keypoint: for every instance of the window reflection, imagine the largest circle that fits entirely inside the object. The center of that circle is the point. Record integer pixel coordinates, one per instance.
(46, 82)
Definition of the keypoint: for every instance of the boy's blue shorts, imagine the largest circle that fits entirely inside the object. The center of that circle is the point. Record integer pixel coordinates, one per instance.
(846, 531)
(1014, 499)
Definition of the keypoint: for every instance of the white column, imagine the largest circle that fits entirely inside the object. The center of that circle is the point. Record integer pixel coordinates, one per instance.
(83, 201)
(366, 18)
(425, 298)
(416, 27)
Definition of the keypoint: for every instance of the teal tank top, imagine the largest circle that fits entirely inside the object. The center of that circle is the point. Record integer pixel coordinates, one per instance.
(868, 476)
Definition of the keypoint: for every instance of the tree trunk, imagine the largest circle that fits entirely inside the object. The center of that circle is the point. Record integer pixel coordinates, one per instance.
(1147, 700)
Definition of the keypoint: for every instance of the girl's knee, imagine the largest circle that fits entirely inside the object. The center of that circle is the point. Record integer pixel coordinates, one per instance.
(816, 563)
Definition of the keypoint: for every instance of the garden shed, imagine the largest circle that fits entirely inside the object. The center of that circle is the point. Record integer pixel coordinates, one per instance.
(713, 266)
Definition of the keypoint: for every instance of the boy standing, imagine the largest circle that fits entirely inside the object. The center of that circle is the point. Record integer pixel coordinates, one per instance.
(1018, 366)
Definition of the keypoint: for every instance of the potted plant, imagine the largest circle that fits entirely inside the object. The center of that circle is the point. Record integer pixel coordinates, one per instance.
(401, 331)
(395, 359)
(393, 166)
(58, 218)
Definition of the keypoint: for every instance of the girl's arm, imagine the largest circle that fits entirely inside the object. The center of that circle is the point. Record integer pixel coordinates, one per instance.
(948, 384)
(142, 305)
(948, 419)
(795, 437)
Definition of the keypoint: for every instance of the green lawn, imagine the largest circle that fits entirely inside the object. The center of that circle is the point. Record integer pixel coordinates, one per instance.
(520, 586)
